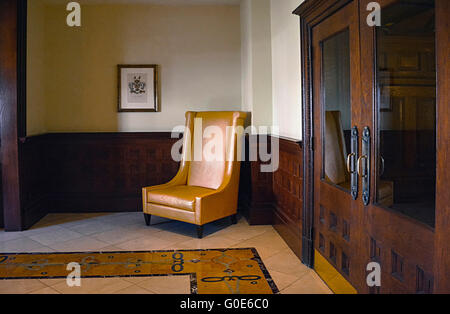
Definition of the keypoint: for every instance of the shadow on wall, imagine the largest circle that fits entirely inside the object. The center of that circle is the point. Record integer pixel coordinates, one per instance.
(196, 47)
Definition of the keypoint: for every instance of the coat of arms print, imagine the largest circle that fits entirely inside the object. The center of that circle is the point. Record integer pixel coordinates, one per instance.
(138, 88)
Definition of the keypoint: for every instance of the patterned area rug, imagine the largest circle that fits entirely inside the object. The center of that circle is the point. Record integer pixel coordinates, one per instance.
(212, 271)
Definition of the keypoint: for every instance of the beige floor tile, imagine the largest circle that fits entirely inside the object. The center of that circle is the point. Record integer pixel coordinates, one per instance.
(211, 242)
(171, 236)
(83, 244)
(267, 244)
(136, 280)
(22, 244)
(310, 283)
(46, 290)
(144, 244)
(242, 232)
(286, 262)
(55, 236)
(41, 249)
(94, 286)
(167, 284)
(52, 282)
(35, 230)
(112, 248)
(134, 290)
(121, 235)
(282, 280)
(8, 236)
(20, 286)
(91, 227)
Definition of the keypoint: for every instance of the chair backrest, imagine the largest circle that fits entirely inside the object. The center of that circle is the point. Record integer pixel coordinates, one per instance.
(335, 150)
(213, 140)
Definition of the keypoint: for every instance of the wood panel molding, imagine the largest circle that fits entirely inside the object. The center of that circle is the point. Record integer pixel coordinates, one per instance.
(275, 198)
(311, 13)
(288, 194)
(93, 172)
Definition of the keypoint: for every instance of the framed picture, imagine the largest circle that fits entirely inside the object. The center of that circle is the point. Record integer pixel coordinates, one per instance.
(138, 88)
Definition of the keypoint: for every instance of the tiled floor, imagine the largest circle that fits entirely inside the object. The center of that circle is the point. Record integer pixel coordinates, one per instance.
(128, 232)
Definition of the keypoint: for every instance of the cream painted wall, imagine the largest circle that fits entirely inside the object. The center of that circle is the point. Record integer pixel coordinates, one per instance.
(256, 61)
(286, 78)
(35, 69)
(198, 49)
(246, 56)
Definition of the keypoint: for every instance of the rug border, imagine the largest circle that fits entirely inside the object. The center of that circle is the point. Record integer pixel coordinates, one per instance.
(193, 276)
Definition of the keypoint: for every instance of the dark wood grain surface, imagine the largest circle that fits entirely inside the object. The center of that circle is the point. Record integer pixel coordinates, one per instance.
(11, 107)
(414, 257)
(442, 243)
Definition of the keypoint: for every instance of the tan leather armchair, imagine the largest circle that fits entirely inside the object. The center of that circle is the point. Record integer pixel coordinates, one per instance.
(206, 189)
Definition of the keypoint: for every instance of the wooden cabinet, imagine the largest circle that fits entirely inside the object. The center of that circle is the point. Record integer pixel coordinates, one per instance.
(376, 125)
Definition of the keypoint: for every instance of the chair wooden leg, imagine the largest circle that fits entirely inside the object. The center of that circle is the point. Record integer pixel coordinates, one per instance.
(200, 232)
(234, 219)
(148, 219)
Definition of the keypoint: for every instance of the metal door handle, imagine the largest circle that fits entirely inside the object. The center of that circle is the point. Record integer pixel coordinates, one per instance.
(365, 172)
(349, 159)
(359, 164)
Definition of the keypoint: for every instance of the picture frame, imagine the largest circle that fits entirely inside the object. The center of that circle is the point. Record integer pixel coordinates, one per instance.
(138, 88)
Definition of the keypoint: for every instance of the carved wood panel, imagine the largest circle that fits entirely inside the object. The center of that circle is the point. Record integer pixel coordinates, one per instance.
(288, 194)
(94, 171)
(255, 189)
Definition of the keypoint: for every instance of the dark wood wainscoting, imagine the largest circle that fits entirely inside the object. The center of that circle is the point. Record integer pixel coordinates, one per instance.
(256, 192)
(34, 179)
(275, 197)
(288, 195)
(93, 172)
(104, 172)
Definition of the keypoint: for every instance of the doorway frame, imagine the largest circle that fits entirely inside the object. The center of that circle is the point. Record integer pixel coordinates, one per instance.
(311, 14)
(13, 61)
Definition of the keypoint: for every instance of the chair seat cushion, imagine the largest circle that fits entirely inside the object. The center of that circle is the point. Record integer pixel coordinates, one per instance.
(181, 196)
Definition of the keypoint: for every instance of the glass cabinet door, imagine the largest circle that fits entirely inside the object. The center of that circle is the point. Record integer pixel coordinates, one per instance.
(338, 109)
(406, 115)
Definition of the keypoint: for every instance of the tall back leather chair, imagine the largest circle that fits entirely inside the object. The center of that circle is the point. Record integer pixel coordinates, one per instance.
(206, 186)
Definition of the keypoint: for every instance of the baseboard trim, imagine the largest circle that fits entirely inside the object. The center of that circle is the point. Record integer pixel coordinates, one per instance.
(335, 281)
